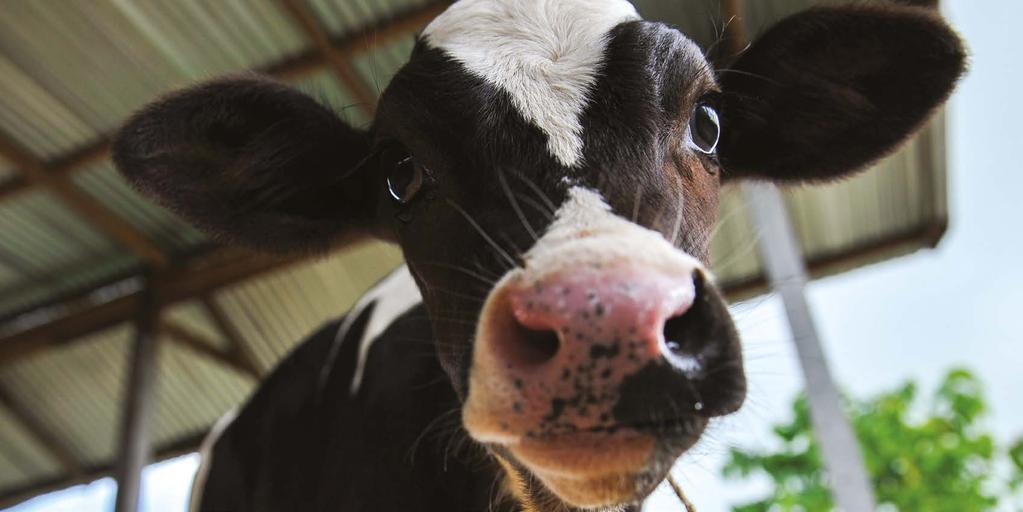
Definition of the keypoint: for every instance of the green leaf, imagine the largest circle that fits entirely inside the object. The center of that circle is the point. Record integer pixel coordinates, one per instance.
(942, 461)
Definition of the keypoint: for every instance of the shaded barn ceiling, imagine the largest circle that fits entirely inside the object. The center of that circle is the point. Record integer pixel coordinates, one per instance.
(78, 248)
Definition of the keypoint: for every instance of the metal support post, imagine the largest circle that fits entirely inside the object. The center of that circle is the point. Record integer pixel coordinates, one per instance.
(786, 271)
(135, 447)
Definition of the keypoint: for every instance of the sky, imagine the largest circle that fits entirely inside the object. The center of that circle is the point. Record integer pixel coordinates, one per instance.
(913, 318)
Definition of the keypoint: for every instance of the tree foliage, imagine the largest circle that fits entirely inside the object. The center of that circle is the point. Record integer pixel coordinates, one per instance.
(934, 456)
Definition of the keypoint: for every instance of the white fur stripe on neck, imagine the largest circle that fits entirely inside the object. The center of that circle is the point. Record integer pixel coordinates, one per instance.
(202, 474)
(544, 53)
(391, 297)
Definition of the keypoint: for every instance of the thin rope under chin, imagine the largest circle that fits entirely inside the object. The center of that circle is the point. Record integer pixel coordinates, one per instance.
(681, 495)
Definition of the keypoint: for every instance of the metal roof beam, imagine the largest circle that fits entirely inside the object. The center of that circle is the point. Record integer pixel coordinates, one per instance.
(13, 187)
(219, 269)
(45, 439)
(96, 215)
(239, 349)
(194, 341)
(390, 29)
(81, 158)
(340, 64)
(139, 407)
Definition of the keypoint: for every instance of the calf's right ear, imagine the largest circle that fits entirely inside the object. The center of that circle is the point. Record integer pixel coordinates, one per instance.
(253, 162)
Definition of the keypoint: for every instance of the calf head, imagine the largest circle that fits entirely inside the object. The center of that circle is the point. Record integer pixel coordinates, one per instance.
(551, 171)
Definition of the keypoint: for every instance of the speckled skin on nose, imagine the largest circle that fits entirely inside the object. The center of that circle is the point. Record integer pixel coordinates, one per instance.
(609, 324)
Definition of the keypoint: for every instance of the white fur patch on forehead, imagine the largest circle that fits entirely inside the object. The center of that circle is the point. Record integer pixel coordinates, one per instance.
(544, 53)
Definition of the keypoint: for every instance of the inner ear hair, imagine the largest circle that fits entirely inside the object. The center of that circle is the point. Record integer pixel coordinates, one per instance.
(828, 91)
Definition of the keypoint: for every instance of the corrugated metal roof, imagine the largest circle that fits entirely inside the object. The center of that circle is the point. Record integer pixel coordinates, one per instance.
(22, 460)
(34, 118)
(76, 391)
(138, 49)
(242, 34)
(46, 249)
(194, 317)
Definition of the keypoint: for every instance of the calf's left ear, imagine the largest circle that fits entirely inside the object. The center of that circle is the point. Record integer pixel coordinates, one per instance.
(829, 91)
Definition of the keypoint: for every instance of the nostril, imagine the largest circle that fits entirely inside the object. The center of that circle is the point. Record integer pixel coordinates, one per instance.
(680, 334)
(677, 334)
(687, 334)
(535, 346)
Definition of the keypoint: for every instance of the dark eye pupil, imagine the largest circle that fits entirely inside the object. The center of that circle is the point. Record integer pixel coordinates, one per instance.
(405, 180)
(705, 128)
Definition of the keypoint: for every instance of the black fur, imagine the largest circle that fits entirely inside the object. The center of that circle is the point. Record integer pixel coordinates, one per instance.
(831, 90)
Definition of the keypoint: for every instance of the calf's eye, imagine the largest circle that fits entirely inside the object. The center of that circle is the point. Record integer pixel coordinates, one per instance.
(405, 180)
(705, 128)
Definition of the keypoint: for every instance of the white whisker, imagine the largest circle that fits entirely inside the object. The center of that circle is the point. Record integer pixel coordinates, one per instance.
(515, 205)
(479, 229)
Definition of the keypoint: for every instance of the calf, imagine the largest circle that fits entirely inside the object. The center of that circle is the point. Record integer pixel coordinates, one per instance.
(551, 171)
